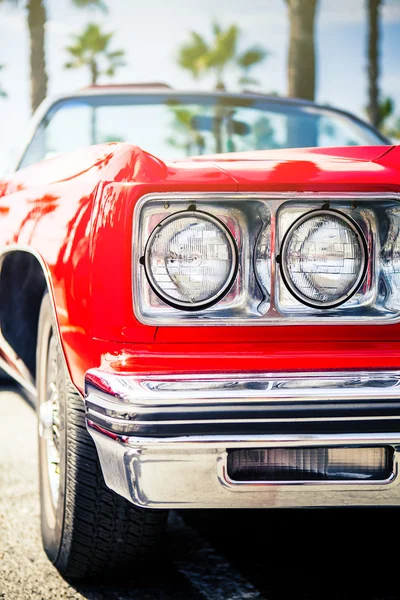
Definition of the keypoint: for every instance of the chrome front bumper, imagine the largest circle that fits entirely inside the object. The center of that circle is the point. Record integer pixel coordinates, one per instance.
(163, 441)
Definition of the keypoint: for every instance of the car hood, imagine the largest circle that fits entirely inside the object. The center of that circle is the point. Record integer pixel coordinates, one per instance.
(308, 169)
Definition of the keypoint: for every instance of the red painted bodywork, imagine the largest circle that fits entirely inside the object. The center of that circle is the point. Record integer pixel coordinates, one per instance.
(76, 212)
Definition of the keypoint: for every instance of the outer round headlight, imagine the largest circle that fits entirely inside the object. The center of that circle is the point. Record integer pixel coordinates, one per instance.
(191, 260)
(323, 258)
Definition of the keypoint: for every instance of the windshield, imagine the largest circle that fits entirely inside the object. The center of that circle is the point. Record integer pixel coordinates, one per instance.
(179, 126)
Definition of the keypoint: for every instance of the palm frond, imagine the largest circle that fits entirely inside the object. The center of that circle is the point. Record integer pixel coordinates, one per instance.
(199, 57)
(191, 55)
(216, 28)
(246, 80)
(90, 4)
(110, 72)
(386, 108)
(90, 49)
(76, 50)
(224, 48)
(252, 56)
(116, 54)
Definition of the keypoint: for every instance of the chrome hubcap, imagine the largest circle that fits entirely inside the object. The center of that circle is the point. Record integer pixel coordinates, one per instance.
(49, 421)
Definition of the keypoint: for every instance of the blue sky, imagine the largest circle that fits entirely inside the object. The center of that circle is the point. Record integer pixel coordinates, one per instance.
(150, 31)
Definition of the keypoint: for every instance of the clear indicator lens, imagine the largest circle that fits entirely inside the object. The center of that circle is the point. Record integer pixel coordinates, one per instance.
(310, 464)
(190, 259)
(323, 259)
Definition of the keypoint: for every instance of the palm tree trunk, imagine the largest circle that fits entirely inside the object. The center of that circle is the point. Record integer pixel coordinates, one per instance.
(301, 61)
(94, 72)
(373, 61)
(94, 75)
(93, 126)
(217, 129)
(36, 24)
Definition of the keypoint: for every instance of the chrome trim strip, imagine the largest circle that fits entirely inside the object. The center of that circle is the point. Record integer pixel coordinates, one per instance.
(122, 390)
(148, 405)
(264, 441)
(97, 405)
(191, 472)
(274, 200)
(125, 424)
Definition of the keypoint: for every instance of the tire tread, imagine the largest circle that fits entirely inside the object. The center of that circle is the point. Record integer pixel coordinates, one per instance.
(108, 535)
(102, 534)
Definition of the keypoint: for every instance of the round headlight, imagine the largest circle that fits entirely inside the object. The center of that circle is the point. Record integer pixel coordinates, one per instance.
(191, 260)
(323, 258)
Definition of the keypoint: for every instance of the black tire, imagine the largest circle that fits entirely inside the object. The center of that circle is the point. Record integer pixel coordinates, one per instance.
(88, 532)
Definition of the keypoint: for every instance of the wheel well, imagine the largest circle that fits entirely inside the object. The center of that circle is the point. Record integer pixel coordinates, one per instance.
(22, 285)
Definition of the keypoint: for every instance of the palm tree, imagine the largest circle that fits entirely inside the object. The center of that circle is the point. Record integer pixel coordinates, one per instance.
(36, 17)
(201, 57)
(301, 60)
(247, 60)
(373, 108)
(3, 94)
(92, 49)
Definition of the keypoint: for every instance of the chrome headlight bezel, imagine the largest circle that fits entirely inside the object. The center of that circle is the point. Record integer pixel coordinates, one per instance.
(201, 305)
(258, 295)
(282, 258)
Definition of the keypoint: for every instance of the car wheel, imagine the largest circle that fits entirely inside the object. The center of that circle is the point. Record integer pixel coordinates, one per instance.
(88, 531)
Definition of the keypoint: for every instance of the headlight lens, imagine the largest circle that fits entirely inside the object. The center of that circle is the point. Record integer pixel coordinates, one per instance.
(191, 260)
(323, 258)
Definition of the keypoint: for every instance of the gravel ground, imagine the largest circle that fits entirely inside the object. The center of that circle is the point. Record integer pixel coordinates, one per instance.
(192, 570)
(210, 555)
(25, 571)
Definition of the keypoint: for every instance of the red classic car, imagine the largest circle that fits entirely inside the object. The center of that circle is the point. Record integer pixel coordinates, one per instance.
(219, 331)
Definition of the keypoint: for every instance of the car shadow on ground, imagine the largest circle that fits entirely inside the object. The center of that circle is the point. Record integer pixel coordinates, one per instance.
(161, 582)
(309, 554)
(285, 554)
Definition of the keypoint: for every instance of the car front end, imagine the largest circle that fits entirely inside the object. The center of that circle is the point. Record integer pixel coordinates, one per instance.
(262, 365)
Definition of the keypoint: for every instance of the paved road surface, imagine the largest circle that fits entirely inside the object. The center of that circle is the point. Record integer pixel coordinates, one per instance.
(210, 555)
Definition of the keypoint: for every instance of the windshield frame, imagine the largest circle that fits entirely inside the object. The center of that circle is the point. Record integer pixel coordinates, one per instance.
(95, 98)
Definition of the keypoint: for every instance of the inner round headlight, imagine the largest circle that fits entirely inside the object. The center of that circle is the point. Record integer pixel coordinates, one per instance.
(323, 258)
(191, 260)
